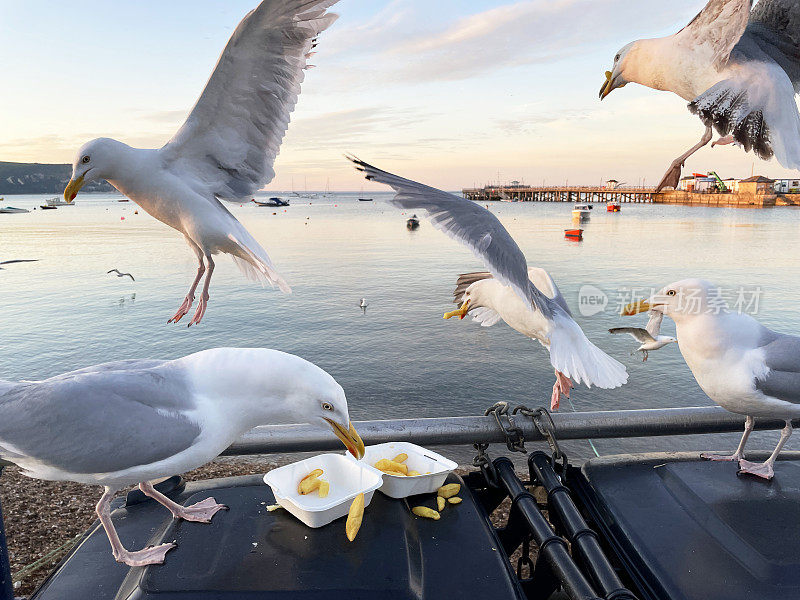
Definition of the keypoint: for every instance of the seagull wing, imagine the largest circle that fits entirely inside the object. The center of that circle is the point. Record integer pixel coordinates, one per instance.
(653, 326)
(233, 134)
(473, 226)
(637, 333)
(775, 26)
(782, 377)
(11, 262)
(717, 29)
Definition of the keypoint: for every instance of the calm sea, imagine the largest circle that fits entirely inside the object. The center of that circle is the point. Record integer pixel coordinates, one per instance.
(400, 359)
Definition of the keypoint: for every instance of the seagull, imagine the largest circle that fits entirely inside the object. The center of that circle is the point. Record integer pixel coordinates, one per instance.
(528, 300)
(363, 304)
(134, 421)
(648, 337)
(739, 70)
(226, 148)
(742, 366)
(19, 260)
(119, 274)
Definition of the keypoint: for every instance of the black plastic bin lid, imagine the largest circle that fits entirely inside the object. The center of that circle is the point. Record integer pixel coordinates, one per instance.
(689, 529)
(248, 553)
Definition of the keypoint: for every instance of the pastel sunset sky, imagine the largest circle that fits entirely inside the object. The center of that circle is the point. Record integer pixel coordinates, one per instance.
(450, 92)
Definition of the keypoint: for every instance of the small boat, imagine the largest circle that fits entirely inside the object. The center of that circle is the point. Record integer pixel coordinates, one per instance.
(56, 201)
(272, 202)
(12, 210)
(47, 207)
(365, 199)
(613, 207)
(413, 223)
(573, 234)
(582, 211)
(123, 200)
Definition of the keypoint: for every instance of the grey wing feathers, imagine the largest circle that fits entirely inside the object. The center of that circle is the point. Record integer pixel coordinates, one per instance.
(720, 25)
(233, 134)
(473, 226)
(464, 281)
(640, 335)
(782, 380)
(775, 26)
(99, 421)
(653, 326)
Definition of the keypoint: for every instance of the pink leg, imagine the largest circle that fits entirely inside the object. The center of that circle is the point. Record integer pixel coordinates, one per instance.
(673, 175)
(765, 470)
(148, 556)
(200, 512)
(724, 141)
(187, 302)
(201, 306)
(749, 423)
(563, 385)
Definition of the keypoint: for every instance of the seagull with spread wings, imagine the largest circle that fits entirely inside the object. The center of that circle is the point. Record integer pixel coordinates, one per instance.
(226, 148)
(648, 337)
(738, 69)
(528, 300)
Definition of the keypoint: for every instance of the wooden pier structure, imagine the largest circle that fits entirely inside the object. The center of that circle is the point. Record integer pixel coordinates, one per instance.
(518, 193)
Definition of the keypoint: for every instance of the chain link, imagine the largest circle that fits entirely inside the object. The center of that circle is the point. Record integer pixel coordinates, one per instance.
(543, 421)
(515, 439)
(486, 466)
(525, 559)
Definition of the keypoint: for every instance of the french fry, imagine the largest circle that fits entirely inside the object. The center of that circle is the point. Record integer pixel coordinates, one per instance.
(355, 517)
(309, 485)
(440, 502)
(389, 465)
(400, 458)
(449, 490)
(313, 475)
(414, 473)
(454, 500)
(395, 473)
(273, 507)
(424, 511)
(324, 488)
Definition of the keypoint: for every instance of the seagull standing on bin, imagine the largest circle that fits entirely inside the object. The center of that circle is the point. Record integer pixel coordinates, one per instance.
(134, 421)
(527, 299)
(739, 70)
(226, 148)
(742, 366)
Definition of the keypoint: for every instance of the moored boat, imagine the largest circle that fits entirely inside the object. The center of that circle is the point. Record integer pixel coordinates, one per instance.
(12, 210)
(581, 211)
(613, 207)
(272, 202)
(413, 223)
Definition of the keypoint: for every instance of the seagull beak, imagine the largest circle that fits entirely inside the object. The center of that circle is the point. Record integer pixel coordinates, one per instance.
(460, 313)
(635, 308)
(611, 83)
(73, 187)
(350, 438)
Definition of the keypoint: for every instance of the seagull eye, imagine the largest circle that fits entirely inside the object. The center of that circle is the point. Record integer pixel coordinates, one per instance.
(85, 159)
(671, 293)
(327, 406)
(616, 58)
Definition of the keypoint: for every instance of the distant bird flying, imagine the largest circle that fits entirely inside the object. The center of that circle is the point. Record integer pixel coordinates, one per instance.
(226, 148)
(739, 70)
(648, 337)
(12, 262)
(742, 366)
(134, 421)
(119, 274)
(528, 300)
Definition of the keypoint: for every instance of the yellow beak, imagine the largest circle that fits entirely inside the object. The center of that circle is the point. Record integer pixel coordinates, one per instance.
(635, 308)
(460, 313)
(73, 187)
(606, 89)
(351, 440)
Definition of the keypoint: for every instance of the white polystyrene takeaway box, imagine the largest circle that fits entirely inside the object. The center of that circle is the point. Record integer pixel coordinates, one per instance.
(420, 459)
(347, 479)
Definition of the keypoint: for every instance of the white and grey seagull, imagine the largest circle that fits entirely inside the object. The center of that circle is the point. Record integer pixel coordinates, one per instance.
(16, 261)
(528, 300)
(742, 366)
(649, 337)
(738, 69)
(134, 421)
(120, 274)
(226, 148)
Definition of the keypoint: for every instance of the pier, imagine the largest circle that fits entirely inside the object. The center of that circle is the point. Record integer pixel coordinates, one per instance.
(576, 193)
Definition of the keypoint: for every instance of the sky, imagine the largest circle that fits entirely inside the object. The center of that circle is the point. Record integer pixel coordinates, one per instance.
(454, 93)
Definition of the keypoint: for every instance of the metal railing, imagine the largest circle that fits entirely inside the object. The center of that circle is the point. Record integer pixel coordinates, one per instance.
(447, 431)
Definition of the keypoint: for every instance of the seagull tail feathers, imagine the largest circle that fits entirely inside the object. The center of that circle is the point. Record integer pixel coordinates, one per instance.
(575, 356)
(254, 264)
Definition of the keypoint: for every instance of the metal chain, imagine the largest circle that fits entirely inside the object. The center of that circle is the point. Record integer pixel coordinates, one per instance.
(543, 421)
(525, 559)
(515, 439)
(486, 466)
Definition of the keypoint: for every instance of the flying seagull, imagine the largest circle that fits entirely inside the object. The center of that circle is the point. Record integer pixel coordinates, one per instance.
(19, 260)
(226, 148)
(648, 337)
(134, 421)
(526, 299)
(739, 70)
(742, 366)
(120, 274)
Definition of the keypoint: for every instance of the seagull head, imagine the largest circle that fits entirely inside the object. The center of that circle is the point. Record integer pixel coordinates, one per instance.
(95, 160)
(616, 77)
(682, 300)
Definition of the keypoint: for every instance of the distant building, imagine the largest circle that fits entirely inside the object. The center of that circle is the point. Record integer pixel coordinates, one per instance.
(787, 186)
(732, 184)
(697, 183)
(612, 184)
(758, 185)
